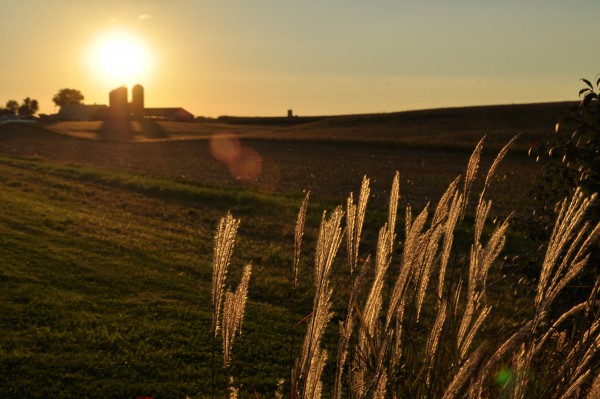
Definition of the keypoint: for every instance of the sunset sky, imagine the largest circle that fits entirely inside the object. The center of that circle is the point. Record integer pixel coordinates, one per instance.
(317, 57)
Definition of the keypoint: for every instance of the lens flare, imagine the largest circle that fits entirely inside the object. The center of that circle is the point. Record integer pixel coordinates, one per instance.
(225, 147)
(247, 166)
(503, 376)
(244, 163)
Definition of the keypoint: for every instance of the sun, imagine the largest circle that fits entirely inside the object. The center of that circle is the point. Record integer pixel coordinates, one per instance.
(120, 57)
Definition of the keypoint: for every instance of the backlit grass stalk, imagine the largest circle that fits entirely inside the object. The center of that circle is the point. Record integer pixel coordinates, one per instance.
(398, 300)
(567, 249)
(481, 259)
(393, 211)
(298, 235)
(224, 242)
(392, 216)
(566, 256)
(223, 249)
(355, 215)
(233, 314)
(374, 303)
(371, 344)
(421, 255)
(347, 328)
(409, 254)
(404, 349)
(306, 383)
(470, 175)
(449, 226)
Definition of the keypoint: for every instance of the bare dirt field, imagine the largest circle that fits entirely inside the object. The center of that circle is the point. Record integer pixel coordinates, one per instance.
(330, 169)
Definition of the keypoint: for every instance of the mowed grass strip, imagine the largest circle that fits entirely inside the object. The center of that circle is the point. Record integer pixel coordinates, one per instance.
(232, 199)
(105, 283)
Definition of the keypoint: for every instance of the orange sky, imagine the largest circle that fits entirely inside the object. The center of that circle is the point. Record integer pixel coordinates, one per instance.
(264, 57)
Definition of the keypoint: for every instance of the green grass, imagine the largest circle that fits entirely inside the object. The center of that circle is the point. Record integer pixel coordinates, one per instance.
(234, 200)
(105, 283)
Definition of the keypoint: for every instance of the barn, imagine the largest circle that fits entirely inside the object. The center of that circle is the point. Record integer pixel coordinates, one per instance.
(169, 114)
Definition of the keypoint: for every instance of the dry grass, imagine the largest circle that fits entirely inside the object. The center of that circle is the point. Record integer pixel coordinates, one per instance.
(223, 249)
(388, 357)
(233, 314)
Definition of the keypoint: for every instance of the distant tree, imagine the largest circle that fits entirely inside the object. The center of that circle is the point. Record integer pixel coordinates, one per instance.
(12, 106)
(29, 107)
(67, 96)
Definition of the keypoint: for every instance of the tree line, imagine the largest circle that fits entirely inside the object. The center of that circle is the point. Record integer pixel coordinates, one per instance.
(29, 107)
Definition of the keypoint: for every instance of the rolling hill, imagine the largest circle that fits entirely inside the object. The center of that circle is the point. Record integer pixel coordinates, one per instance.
(446, 128)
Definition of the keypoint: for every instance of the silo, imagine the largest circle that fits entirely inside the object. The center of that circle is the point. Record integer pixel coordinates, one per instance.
(118, 102)
(137, 101)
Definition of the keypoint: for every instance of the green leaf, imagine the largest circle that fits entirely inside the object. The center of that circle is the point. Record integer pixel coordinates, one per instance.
(587, 82)
(588, 97)
(583, 91)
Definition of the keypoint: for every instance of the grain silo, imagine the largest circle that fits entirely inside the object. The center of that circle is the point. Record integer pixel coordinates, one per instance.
(137, 101)
(118, 104)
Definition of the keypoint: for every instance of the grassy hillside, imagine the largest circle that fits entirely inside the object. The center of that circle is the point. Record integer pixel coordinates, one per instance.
(106, 282)
(450, 128)
(106, 245)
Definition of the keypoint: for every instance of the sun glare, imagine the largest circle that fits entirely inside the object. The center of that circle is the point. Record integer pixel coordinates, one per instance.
(119, 57)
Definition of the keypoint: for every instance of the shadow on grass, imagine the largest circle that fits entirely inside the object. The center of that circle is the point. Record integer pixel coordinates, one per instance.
(151, 129)
(116, 129)
(122, 129)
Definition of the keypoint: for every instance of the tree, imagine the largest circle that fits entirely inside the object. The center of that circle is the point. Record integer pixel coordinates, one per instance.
(67, 97)
(29, 107)
(12, 106)
(570, 158)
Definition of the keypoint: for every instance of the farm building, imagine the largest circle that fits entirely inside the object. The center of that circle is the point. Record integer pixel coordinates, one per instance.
(120, 107)
(137, 101)
(169, 114)
(82, 112)
(117, 100)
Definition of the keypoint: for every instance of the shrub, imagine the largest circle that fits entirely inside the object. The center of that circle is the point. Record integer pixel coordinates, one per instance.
(570, 157)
